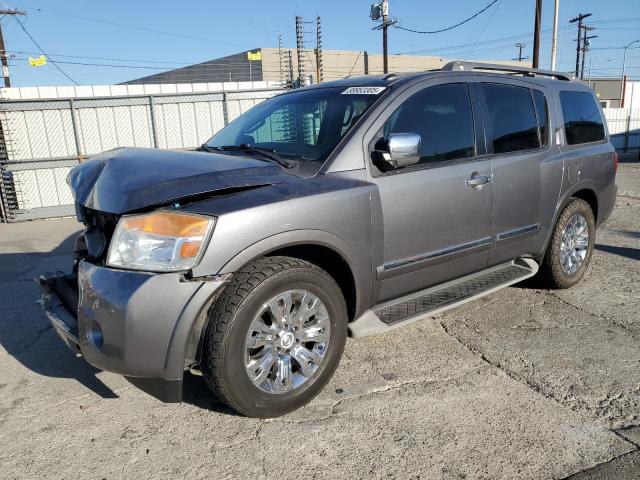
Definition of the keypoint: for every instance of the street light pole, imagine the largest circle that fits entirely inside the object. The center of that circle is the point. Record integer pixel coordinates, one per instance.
(624, 61)
(590, 62)
(554, 39)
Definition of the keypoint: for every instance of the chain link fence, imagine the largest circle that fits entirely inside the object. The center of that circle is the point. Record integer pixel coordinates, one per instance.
(42, 140)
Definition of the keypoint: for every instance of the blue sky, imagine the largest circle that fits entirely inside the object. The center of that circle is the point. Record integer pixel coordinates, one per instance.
(155, 35)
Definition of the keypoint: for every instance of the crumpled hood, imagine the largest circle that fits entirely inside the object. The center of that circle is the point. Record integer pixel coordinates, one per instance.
(127, 179)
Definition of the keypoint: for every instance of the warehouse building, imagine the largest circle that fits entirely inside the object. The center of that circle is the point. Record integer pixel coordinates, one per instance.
(273, 64)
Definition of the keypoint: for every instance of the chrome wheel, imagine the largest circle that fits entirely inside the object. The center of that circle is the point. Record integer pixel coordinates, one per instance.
(574, 244)
(287, 341)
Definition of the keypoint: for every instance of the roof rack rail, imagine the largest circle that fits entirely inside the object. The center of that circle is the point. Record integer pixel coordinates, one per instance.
(533, 72)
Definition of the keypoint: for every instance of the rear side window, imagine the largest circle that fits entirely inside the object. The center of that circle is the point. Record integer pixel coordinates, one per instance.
(512, 118)
(543, 116)
(582, 119)
(442, 116)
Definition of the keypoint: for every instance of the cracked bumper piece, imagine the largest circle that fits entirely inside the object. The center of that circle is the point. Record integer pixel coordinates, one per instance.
(137, 324)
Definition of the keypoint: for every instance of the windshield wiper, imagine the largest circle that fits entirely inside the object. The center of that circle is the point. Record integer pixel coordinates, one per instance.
(267, 153)
(206, 148)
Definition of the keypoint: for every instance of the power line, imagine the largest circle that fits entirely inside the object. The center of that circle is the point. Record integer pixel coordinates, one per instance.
(452, 26)
(487, 42)
(136, 27)
(102, 58)
(354, 64)
(562, 29)
(471, 49)
(43, 52)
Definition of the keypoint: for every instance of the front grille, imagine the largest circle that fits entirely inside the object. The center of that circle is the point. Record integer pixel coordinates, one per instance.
(93, 243)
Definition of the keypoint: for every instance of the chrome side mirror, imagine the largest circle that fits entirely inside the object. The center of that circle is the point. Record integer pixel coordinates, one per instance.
(400, 149)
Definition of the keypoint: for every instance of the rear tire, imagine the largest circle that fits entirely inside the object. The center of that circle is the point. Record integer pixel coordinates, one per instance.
(247, 310)
(570, 248)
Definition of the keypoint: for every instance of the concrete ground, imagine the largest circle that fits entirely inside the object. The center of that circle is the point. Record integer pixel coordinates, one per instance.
(525, 383)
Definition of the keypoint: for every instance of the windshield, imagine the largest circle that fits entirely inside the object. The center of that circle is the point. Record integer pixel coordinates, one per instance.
(303, 125)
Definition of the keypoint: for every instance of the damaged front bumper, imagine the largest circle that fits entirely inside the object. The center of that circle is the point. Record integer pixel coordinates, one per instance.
(144, 326)
(59, 294)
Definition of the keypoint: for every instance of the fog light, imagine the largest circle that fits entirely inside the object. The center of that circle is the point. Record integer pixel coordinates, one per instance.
(94, 335)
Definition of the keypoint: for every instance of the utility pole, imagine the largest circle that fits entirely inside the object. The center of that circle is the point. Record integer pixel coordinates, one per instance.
(554, 38)
(381, 11)
(536, 34)
(520, 46)
(319, 72)
(579, 19)
(300, 49)
(585, 46)
(385, 27)
(3, 51)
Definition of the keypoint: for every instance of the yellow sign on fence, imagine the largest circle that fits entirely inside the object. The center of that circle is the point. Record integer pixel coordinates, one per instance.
(37, 62)
(254, 55)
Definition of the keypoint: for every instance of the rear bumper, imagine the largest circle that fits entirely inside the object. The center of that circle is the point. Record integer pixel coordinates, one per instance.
(140, 325)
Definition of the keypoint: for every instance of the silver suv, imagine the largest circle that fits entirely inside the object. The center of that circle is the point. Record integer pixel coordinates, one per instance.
(345, 208)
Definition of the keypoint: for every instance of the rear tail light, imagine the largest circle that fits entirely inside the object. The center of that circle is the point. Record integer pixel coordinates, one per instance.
(615, 163)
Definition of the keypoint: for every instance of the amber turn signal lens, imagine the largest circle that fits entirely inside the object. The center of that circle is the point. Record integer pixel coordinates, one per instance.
(190, 249)
(168, 224)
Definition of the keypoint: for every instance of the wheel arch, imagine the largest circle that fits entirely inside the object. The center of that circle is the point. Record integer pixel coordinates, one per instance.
(328, 251)
(331, 262)
(589, 196)
(584, 191)
(324, 249)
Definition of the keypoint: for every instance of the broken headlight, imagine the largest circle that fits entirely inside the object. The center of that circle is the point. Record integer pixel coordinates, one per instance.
(160, 241)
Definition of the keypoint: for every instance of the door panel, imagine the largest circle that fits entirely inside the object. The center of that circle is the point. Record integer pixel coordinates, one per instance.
(527, 169)
(435, 227)
(432, 225)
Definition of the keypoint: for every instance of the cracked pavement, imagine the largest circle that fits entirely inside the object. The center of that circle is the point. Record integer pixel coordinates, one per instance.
(524, 383)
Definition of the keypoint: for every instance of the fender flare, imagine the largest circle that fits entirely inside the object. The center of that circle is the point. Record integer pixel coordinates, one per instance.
(562, 202)
(360, 265)
(186, 342)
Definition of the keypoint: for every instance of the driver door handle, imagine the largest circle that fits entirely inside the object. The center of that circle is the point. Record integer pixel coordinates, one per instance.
(477, 181)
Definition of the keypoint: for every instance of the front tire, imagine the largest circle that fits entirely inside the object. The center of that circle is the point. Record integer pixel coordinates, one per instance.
(571, 246)
(275, 337)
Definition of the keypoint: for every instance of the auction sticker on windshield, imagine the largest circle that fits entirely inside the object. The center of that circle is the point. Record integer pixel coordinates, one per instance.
(363, 90)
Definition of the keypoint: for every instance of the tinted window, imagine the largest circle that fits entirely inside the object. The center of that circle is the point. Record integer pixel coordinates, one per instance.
(512, 118)
(582, 119)
(302, 125)
(441, 115)
(543, 116)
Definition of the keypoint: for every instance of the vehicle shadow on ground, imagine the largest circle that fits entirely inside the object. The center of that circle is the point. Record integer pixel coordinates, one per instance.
(628, 252)
(25, 332)
(195, 392)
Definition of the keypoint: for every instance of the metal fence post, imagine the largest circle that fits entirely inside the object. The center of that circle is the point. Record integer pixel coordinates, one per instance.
(76, 132)
(154, 130)
(627, 132)
(225, 109)
(6, 192)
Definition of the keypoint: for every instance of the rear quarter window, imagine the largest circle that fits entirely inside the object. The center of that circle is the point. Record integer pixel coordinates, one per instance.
(512, 118)
(582, 120)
